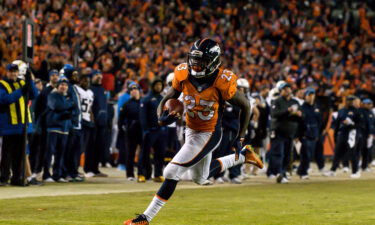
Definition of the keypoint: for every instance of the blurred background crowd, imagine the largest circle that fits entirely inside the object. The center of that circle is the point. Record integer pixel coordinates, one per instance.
(121, 46)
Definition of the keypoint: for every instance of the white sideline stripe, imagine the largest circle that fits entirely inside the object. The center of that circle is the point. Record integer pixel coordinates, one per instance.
(31, 192)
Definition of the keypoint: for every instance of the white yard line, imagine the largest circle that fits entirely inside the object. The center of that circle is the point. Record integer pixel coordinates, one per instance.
(116, 183)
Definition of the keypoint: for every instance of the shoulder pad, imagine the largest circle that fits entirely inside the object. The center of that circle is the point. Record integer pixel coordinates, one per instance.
(181, 71)
(226, 82)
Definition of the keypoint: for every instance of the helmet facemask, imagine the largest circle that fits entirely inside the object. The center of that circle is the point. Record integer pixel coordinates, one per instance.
(202, 65)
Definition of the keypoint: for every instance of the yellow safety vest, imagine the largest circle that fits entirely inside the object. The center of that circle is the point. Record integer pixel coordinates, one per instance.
(16, 109)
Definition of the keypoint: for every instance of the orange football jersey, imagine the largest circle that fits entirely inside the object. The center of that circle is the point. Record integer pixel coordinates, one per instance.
(202, 106)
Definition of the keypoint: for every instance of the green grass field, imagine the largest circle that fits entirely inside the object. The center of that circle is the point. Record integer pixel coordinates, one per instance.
(331, 202)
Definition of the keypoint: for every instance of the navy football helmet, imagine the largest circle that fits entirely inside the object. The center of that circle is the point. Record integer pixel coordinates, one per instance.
(204, 58)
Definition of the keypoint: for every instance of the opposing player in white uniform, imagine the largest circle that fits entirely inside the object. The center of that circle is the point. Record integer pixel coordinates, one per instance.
(86, 97)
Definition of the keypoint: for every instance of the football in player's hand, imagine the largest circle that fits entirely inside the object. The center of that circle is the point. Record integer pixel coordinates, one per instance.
(174, 105)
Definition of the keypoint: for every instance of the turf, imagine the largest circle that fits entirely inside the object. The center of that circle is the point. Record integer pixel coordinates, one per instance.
(334, 202)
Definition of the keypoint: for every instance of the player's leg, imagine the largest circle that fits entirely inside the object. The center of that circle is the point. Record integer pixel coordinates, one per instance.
(287, 162)
(90, 153)
(354, 158)
(187, 157)
(194, 149)
(201, 171)
(340, 151)
(319, 152)
(276, 156)
(50, 150)
(172, 174)
(223, 150)
(159, 152)
(132, 144)
(247, 155)
(144, 164)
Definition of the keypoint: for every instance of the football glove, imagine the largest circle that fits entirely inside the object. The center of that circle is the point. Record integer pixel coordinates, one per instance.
(237, 146)
(166, 118)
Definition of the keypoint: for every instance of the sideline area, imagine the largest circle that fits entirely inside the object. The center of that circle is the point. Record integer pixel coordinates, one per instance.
(116, 183)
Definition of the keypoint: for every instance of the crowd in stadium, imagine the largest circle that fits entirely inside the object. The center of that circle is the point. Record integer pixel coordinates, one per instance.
(123, 52)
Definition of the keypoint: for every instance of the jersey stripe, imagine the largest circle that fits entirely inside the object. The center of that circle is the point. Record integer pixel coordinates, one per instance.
(12, 107)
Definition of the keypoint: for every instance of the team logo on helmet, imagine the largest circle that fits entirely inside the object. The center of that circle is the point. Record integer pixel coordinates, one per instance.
(215, 49)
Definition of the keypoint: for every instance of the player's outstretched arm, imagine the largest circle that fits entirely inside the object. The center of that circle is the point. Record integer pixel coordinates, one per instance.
(241, 101)
(172, 93)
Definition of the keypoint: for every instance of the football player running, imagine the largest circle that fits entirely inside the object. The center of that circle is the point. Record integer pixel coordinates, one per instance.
(205, 87)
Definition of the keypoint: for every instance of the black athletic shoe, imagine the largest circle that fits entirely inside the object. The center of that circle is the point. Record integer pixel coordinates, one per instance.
(19, 183)
(35, 182)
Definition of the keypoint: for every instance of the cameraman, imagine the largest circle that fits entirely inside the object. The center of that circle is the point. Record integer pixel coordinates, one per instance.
(12, 122)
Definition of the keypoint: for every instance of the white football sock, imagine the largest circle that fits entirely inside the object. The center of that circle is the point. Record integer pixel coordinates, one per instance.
(154, 207)
(229, 161)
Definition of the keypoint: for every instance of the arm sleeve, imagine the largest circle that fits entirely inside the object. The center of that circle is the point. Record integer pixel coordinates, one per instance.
(176, 83)
(143, 114)
(180, 74)
(73, 100)
(39, 108)
(51, 103)
(227, 85)
(33, 91)
(122, 116)
(6, 98)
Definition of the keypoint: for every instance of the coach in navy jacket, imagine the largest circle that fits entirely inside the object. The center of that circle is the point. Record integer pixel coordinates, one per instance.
(98, 139)
(99, 107)
(311, 130)
(348, 120)
(38, 143)
(130, 124)
(149, 104)
(153, 134)
(60, 106)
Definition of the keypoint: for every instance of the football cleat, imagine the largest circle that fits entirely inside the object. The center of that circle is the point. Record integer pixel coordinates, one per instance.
(329, 173)
(140, 220)
(355, 175)
(281, 179)
(206, 183)
(251, 157)
(159, 179)
(141, 179)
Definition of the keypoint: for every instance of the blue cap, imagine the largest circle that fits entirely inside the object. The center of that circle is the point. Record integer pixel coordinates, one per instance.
(62, 79)
(309, 91)
(284, 85)
(367, 101)
(12, 66)
(53, 72)
(68, 67)
(95, 72)
(133, 84)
